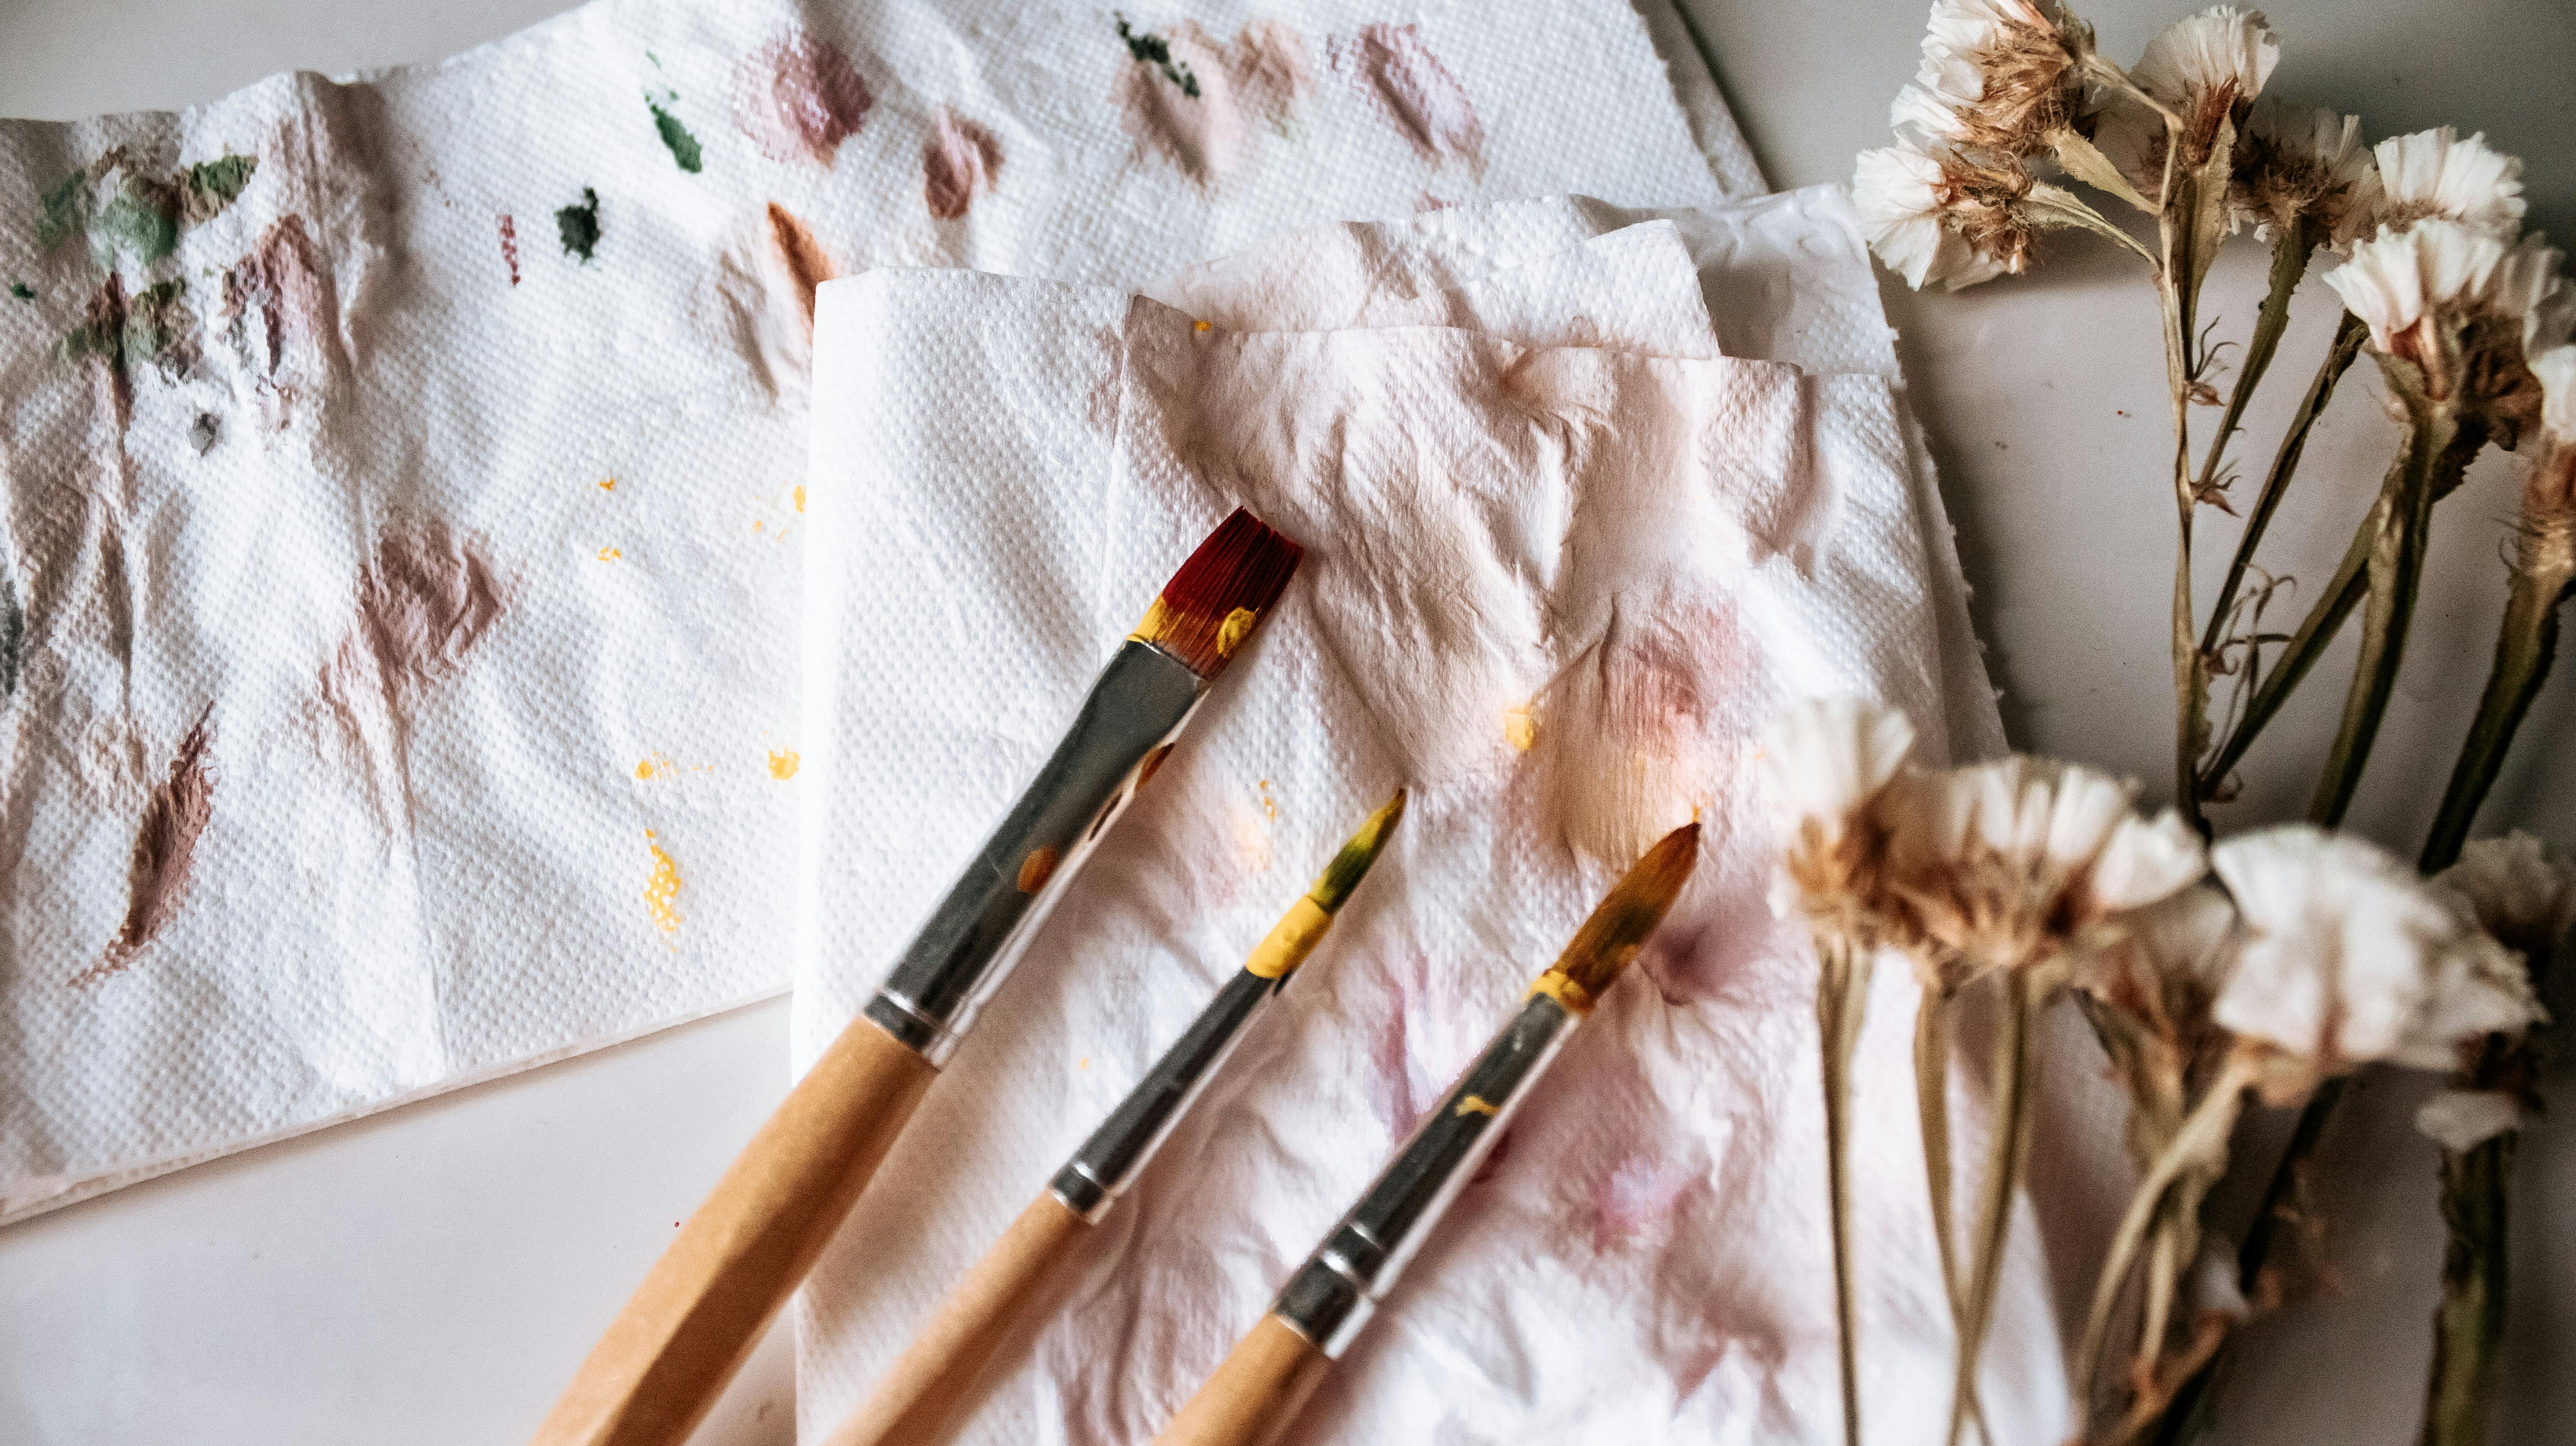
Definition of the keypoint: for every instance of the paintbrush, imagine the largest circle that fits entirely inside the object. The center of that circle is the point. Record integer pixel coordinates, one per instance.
(930, 1381)
(685, 1331)
(1271, 1372)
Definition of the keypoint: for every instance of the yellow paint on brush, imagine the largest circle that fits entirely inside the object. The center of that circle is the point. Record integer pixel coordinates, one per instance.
(1037, 868)
(782, 763)
(662, 891)
(610, 554)
(1289, 941)
(1558, 986)
(1520, 727)
(1476, 1105)
(1237, 626)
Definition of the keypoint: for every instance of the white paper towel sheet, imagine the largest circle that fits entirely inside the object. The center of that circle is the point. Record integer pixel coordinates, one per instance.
(1563, 559)
(434, 442)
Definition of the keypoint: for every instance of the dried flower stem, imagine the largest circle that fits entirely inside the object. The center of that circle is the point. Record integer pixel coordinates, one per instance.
(2526, 641)
(2468, 1325)
(2296, 242)
(1932, 1108)
(2190, 226)
(1842, 998)
(2009, 1142)
(2326, 617)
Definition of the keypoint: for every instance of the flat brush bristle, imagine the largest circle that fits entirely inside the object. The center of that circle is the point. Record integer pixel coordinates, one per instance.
(1620, 926)
(1210, 607)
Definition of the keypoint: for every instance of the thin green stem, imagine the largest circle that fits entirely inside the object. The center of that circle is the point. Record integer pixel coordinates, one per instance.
(2526, 641)
(2468, 1325)
(2290, 252)
(2325, 618)
(2013, 1066)
(1842, 996)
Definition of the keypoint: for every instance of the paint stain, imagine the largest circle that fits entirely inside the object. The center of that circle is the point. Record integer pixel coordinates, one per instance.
(1037, 868)
(959, 161)
(797, 98)
(662, 890)
(610, 554)
(1633, 1194)
(13, 636)
(143, 210)
(204, 432)
(63, 211)
(510, 246)
(645, 768)
(578, 226)
(607, 484)
(1190, 101)
(212, 186)
(675, 136)
(1408, 84)
(1520, 727)
(800, 497)
(1269, 805)
(141, 219)
(423, 601)
(165, 852)
(782, 763)
(1629, 735)
(285, 287)
(801, 261)
(22, 291)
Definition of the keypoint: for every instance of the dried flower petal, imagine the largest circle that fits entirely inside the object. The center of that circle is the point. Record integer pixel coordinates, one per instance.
(2461, 1120)
(2295, 162)
(1939, 219)
(1829, 759)
(2000, 75)
(2556, 370)
(2400, 278)
(2519, 888)
(2207, 68)
(2348, 957)
(2436, 174)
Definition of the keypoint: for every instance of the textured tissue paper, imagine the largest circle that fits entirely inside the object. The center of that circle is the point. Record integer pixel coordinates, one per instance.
(1585, 495)
(403, 515)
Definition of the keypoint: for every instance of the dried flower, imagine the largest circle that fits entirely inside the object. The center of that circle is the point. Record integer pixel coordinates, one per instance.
(2402, 281)
(2004, 864)
(2519, 888)
(2555, 369)
(2460, 1120)
(2206, 69)
(2294, 163)
(2348, 957)
(2152, 987)
(1938, 218)
(1829, 760)
(2436, 174)
(2004, 75)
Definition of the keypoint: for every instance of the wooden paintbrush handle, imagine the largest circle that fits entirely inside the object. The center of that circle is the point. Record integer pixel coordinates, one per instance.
(930, 1381)
(1254, 1394)
(687, 1328)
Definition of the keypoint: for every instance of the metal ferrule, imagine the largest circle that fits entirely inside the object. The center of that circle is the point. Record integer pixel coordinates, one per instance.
(1340, 1285)
(969, 943)
(1100, 1171)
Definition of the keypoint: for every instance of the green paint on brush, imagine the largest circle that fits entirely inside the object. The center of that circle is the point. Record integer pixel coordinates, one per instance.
(213, 185)
(1351, 865)
(142, 219)
(683, 146)
(64, 211)
(579, 226)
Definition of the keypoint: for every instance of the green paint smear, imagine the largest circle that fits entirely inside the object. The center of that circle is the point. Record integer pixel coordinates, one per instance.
(22, 291)
(13, 636)
(142, 220)
(1151, 49)
(65, 212)
(684, 146)
(579, 226)
(156, 318)
(213, 185)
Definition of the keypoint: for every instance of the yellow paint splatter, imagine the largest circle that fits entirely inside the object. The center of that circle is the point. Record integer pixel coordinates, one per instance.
(1085, 1064)
(1520, 727)
(759, 526)
(800, 496)
(782, 763)
(610, 554)
(1203, 326)
(662, 892)
(1269, 805)
(644, 769)
(607, 484)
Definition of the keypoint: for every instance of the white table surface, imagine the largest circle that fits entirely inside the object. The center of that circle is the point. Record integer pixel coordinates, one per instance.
(432, 1275)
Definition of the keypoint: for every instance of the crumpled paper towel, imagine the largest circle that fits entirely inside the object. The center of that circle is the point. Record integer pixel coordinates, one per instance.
(402, 516)
(1564, 558)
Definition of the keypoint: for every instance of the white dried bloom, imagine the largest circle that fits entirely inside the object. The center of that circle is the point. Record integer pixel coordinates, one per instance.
(1829, 759)
(2348, 956)
(2298, 162)
(2002, 75)
(2007, 862)
(2401, 279)
(2519, 888)
(2556, 369)
(2436, 174)
(2461, 1120)
(2206, 68)
(1936, 219)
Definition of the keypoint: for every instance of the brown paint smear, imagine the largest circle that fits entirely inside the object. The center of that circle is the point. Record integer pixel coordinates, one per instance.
(1415, 91)
(802, 261)
(423, 601)
(1261, 74)
(165, 850)
(959, 162)
(797, 98)
(762, 292)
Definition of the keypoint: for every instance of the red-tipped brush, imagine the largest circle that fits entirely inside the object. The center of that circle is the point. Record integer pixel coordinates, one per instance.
(680, 1338)
(1219, 596)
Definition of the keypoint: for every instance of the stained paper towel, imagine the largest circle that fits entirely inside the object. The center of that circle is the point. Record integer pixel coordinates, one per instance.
(402, 490)
(1563, 559)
